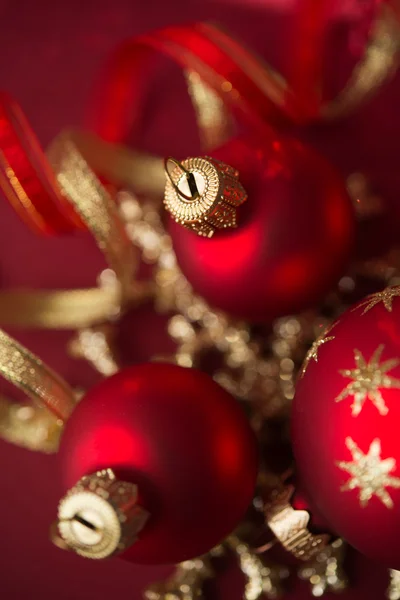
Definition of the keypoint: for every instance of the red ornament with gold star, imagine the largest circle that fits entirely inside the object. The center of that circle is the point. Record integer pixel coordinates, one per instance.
(345, 426)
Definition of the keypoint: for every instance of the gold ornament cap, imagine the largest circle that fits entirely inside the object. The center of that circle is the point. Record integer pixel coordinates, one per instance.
(202, 194)
(99, 517)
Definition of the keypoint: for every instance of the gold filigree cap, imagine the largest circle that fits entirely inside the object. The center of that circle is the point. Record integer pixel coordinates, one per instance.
(203, 194)
(99, 517)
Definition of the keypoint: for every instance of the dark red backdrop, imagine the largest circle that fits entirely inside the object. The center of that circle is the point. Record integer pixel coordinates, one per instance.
(49, 54)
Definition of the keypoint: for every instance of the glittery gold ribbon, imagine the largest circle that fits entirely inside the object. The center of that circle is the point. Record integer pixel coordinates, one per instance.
(94, 205)
(64, 309)
(37, 427)
(28, 373)
(72, 309)
(31, 427)
(75, 158)
(380, 62)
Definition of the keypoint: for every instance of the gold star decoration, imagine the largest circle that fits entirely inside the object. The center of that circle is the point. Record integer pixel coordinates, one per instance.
(386, 296)
(312, 354)
(369, 473)
(367, 378)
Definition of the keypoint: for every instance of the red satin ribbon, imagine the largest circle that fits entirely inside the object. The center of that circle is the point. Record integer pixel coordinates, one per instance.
(305, 69)
(257, 94)
(26, 178)
(251, 89)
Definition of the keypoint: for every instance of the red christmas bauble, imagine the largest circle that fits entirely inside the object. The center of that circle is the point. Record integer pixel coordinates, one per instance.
(345, 426)
(183, 440)
(293, 239)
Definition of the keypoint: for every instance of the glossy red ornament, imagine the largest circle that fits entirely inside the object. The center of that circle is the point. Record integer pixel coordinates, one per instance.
(183, 440)
(345, 427)
(293, 238)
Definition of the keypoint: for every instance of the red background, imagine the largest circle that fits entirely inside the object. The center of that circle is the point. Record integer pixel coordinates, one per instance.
(49, 55)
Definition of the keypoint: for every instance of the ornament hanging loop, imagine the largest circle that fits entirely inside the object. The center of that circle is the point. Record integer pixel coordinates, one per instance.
(189, 176)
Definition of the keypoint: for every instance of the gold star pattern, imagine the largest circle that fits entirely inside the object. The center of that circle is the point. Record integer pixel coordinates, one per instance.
(369, 473)
(386, 296)
(367, 378)
(312, 354)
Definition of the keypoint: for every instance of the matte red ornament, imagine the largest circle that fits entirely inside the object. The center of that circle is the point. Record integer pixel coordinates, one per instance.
(293, 239)
(183, 440)
(345, 427)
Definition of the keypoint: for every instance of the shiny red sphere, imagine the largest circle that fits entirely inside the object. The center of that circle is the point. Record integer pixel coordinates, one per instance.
(345, 420)
(293, 239)
(183, 440)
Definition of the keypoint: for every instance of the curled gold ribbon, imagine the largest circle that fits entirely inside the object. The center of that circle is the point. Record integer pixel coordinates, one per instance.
(380, 62)
(94, 205)
(72, 309)
(75, 158)
(31, 427)
(40, 383)
(63, 309)
(36, 427)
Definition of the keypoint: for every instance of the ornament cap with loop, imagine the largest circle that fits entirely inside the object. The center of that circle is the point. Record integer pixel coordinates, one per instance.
(99, 517)
(202, 194)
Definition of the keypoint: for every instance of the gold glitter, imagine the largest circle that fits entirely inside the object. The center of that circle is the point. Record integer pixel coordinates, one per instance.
(379, 63)
(386, 296)
(369, 473)
(263, 376)
(313, 352)
(186, 583)
(325, 571)
(367, 379)
(262, 580)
